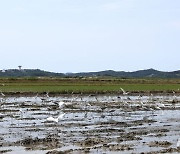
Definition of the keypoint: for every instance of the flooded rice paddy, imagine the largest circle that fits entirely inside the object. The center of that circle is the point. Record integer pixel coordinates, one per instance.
(91, 124)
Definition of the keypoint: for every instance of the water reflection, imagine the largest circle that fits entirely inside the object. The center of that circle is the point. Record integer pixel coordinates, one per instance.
(107, 123)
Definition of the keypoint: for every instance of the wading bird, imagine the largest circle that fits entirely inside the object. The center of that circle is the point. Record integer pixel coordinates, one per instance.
(124, 92)
(60, 104)
(2, 94)
(55, 119)
(160, 105)
(47, 94)
(178, 142)
(43, 99)
(174, 98)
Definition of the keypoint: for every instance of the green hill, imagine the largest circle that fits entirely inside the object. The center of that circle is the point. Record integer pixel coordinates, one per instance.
(149, 73)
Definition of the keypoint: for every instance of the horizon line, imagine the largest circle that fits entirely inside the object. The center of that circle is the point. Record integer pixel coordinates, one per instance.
(1, 70)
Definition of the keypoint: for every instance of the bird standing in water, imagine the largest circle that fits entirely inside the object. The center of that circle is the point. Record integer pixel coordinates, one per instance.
(56, 119)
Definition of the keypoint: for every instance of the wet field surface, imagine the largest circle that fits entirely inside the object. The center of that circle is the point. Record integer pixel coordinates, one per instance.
(91, 124)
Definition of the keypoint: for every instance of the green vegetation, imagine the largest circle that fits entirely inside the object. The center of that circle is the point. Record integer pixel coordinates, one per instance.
(87, 85)
(34, 73)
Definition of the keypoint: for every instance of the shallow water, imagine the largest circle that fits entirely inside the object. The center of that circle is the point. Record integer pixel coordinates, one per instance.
(95, 124)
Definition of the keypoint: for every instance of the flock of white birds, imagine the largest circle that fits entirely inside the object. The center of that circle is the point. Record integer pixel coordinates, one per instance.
(143, 105)
(124, 99)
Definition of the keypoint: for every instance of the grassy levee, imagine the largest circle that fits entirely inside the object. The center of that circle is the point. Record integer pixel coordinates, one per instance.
(87, 85)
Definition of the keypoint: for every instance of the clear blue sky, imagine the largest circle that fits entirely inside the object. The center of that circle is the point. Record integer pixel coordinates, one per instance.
(90, 35)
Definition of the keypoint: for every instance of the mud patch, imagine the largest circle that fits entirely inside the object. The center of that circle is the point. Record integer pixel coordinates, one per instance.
(160, 144)
(91, 124)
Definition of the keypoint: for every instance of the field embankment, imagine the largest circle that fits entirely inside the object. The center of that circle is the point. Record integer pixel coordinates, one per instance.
(87, 85)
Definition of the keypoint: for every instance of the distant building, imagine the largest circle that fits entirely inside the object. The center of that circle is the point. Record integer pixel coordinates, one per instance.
(20, 67)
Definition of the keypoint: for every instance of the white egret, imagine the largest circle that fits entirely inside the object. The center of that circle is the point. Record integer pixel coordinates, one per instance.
(178, 143)
(2, 94)
(47, 94)
(60, 104)
(55, 119)
(157, 108)
(124, 92)
(160, 105)
(125, 103)
(21, 112)
(44, 98)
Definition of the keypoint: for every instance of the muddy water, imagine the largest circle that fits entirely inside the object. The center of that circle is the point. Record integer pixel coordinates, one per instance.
(91, 124)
